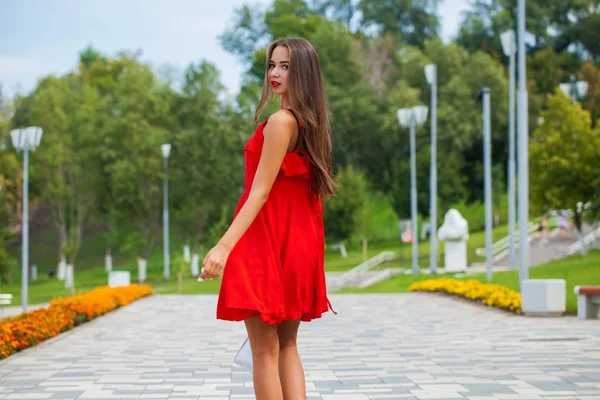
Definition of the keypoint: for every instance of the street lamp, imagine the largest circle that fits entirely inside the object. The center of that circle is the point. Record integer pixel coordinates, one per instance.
(25, 140)
(487, 178)
(574, 89)
(166, 150)
(509, 47)
(410, 118)
(431, 76)
(523, 149)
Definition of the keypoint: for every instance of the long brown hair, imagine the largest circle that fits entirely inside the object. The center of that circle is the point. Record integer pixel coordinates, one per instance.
(306, 96)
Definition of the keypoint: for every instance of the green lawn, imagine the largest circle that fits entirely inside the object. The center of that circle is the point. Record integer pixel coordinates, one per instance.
(576, 270)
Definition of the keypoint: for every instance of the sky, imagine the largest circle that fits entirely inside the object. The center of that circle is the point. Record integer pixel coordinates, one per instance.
(41, 37)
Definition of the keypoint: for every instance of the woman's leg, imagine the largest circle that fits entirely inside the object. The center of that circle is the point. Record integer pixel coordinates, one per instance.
(264, 343)
(291, 372)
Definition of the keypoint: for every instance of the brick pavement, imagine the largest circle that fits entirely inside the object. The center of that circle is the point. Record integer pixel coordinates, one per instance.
(398, 346)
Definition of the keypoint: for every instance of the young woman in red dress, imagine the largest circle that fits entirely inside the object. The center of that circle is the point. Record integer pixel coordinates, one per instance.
(272, 255)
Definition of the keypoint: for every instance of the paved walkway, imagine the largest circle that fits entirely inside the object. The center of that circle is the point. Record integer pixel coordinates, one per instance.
(405, 346)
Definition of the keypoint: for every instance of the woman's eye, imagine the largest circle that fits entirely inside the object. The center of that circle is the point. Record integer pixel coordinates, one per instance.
(285, 67)
(271, 66)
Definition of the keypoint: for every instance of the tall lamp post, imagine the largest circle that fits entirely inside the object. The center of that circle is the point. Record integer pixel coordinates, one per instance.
(509, 47)
(523, 149)
(487, 178)
(576, 90)
(411, 118)
(431, 76)
(25, 140)
(166, 150)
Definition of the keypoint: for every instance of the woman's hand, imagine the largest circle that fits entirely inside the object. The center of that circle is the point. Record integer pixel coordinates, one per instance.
(214, 262)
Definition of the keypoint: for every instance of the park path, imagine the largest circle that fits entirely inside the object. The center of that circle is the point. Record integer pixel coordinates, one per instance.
(396, 346)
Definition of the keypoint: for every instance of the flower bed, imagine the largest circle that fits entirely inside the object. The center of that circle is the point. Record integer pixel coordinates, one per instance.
(486, 293)
(32, 327)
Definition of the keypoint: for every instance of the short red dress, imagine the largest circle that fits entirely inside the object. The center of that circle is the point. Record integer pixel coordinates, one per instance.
(275, 271)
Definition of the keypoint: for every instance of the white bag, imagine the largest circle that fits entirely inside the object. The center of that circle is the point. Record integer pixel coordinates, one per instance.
(243, 358)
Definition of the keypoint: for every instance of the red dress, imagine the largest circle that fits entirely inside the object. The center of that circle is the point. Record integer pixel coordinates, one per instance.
(276, 268)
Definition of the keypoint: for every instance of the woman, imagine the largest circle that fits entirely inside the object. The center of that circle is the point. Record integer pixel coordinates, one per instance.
(272, 255)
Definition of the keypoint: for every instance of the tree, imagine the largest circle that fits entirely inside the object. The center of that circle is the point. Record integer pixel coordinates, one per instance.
(591, 74)
(10, 172)
(203, 186)
(413, 22)
(66, 108)
(142, 123)
(564, 154)
(482, 26)
(337, 10)
(343, 212)
(5, 238)
(459, 124)
(248, 32)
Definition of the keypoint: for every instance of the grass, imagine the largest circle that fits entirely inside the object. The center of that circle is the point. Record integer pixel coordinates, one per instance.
(576, 270)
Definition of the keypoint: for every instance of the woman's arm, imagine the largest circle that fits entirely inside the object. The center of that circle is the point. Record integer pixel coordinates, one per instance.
(278, 133)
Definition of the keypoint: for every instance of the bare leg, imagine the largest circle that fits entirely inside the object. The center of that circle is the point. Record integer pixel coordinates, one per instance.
(264, 343)
(291, 372)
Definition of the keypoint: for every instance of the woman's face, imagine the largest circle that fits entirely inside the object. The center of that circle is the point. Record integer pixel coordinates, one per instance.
(278, 70)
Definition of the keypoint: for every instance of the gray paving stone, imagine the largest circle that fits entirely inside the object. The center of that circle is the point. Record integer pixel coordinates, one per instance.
(410, 346)
(66, 394)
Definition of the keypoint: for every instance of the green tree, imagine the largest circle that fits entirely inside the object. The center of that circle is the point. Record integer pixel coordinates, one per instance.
(133, 161)
(412, 21)
(591, 74)
(202, 187)
(564, 154)
(343, 212)
(66, 108)
(459, 125)
(337, 10)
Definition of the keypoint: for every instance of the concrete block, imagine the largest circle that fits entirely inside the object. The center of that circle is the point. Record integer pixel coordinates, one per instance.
(544, 297)
(119, 278)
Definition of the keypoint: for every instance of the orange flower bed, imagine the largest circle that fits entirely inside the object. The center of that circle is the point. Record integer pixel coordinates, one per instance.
(32, 327)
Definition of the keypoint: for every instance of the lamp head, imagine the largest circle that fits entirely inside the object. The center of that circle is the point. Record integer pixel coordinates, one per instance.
(566, 89)
(582, 88)
(508, 42)
(166, 150)
(420, 114)
(431, 73)
(404, 117)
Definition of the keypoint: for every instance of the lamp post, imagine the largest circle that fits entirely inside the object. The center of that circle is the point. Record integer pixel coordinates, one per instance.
(431, 76)
(487, 179)
(25, 140)
(166, 150)
(523, 149)
(410, 118)
(510, 49)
